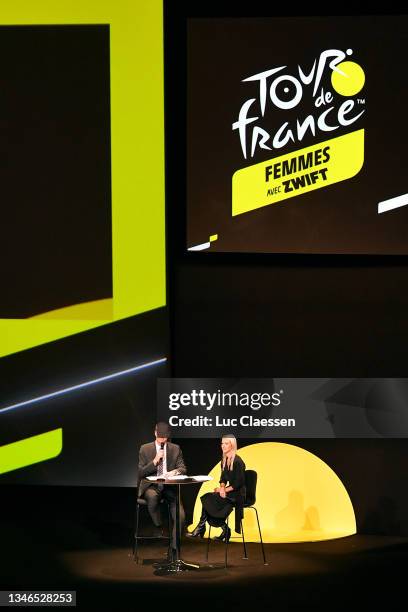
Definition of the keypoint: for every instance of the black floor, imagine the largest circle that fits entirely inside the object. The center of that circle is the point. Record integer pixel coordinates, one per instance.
(86, 547)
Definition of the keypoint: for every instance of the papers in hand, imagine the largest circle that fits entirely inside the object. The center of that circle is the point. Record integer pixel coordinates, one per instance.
(180, 477)
(167, 477)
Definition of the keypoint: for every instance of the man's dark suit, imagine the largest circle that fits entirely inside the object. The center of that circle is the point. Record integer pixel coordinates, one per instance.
(153, 492)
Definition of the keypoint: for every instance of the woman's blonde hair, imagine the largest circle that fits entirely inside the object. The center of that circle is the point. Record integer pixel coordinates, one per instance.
(229, 461)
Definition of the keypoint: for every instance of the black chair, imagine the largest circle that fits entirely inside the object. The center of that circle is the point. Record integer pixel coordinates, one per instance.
(251, 478)
(142, 503)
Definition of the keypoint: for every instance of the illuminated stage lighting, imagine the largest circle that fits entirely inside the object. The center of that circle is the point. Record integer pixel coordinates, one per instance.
(84, 384)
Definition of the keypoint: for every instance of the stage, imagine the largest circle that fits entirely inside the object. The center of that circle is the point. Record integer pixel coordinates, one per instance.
(84, 550)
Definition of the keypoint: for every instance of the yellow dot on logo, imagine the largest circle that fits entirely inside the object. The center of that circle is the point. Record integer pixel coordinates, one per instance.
(351, 81)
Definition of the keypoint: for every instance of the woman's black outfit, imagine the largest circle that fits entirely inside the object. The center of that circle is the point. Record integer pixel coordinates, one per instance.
(217, 508)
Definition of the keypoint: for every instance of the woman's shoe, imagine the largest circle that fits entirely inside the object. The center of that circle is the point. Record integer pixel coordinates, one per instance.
(226, 534)
(199, 530)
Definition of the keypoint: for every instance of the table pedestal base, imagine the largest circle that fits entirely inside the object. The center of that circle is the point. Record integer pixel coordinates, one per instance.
(175, 567)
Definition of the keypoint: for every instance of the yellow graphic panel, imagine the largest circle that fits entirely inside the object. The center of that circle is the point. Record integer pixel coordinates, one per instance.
(291, 175)
(30, 450)
(98, 309)
(299, 498)
(137, 154)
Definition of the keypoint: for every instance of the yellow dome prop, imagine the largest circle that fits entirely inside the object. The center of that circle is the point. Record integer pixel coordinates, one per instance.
(299, 497)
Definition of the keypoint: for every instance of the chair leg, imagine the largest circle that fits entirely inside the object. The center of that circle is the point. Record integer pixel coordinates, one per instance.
(226, 544)
(208, 543)
(243, 541)
(137, 538)
(135, 547)
(169, 526)
(260, 535)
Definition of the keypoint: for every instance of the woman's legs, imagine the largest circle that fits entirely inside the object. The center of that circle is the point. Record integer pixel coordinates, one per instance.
(225, 534)
(214, 512)
(199, 529)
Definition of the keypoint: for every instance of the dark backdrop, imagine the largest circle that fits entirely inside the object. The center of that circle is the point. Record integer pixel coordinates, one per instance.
(263, 315)
(234, 316)
(103, 424)
(55, 167)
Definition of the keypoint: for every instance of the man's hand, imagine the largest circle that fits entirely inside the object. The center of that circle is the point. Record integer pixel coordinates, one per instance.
(172, 473)
(159, 456)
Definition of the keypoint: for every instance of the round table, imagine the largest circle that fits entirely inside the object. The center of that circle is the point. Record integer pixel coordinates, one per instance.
(177, 565)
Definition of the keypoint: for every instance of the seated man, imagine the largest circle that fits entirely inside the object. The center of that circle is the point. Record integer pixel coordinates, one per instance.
(160, 458)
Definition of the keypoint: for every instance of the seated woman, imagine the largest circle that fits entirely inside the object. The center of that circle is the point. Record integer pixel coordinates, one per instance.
(229, 495)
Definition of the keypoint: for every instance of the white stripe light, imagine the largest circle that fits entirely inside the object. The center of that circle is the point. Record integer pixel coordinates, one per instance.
(200, 247)
(87, 383)
(393, 203)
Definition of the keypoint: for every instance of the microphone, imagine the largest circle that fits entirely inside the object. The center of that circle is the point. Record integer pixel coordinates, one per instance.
(160, 465)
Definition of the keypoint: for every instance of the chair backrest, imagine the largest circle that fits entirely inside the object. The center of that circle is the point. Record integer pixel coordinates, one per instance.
(251, 478)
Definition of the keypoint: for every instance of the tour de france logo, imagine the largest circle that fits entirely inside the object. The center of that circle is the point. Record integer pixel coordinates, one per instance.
(333, 88)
